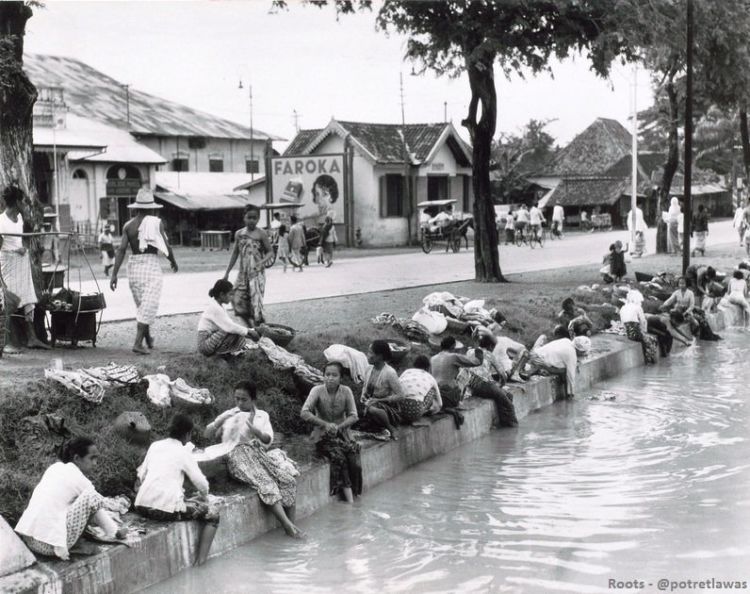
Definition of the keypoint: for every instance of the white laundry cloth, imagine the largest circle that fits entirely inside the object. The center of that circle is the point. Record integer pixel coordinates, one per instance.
(149, 234)
(355, 361)
(434, 321)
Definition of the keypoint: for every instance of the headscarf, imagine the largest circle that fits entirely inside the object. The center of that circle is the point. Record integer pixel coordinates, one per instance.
(582, 344)
(634, 296)
(674, 208)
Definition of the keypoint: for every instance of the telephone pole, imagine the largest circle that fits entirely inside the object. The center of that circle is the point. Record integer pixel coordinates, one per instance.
(687, 191)
(406, 197)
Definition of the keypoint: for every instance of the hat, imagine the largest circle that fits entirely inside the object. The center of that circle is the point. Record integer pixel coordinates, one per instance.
(145, 200)
(49, 213)
(582, 344)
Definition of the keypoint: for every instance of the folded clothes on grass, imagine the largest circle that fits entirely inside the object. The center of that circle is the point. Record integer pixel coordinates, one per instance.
(163, 392)
(78, 382)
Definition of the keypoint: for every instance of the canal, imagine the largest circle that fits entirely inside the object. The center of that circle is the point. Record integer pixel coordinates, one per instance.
(644, 478)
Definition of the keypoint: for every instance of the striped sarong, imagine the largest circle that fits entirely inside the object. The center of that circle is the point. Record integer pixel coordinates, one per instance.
(16, 271)
(145, 280)
(219, 343)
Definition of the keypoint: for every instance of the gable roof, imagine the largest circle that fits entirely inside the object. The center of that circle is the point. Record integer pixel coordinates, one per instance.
(648, 163)
(91, 93)
(585, 191)
(593, 151)
(383, 143)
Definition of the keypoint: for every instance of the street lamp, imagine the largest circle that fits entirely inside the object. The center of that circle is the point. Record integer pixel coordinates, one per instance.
(252, 143)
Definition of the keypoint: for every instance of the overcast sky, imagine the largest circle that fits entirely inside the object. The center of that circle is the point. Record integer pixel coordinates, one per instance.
(196, 52)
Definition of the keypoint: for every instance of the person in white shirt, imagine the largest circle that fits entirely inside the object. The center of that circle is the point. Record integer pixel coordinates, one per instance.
(160, 479)
(536, 218)
(558, 217)
(560, 358)
(522, 219)
(443, 218)
(218, 334)
(247, 434)
(738, 294)
(64, 502)
(507, 352)
(636, 325)
(276, 221)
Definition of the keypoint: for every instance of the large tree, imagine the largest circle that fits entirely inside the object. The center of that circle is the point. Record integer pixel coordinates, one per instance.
(453, 37)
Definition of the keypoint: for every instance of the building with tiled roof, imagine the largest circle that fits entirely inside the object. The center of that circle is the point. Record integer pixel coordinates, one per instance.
(376, 209)
(136, 134)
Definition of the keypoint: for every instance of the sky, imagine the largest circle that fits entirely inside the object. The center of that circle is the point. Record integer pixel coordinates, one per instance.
(305, 60)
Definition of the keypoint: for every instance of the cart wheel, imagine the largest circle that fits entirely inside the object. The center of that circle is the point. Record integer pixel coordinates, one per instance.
(426, 244)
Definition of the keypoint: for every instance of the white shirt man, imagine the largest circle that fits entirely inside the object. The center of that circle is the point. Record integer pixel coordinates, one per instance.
(535, 216)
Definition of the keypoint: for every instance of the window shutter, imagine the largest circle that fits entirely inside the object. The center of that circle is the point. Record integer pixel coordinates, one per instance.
(383, 196)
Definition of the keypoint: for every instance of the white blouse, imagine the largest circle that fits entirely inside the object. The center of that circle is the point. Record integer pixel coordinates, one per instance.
(162, 475)
(45, 517)
(8, 226)
(216, 318)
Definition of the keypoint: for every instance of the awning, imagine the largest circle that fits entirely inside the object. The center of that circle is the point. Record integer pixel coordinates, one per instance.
(202, 202)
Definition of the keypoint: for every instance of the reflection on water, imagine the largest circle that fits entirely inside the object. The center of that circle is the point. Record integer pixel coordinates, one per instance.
(654, 483)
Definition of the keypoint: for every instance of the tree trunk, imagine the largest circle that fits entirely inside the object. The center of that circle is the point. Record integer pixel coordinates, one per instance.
(670, 166)
(482, 130)
(745, 136)
(17, 97)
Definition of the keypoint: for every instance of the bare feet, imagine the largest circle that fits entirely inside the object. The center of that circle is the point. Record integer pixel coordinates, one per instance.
(35, 343)
(293, 532)
(140, 350)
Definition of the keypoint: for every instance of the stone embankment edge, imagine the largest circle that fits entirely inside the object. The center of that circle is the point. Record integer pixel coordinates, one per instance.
(167, 549)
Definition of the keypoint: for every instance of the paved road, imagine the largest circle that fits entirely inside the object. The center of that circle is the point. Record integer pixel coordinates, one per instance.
(187, 292)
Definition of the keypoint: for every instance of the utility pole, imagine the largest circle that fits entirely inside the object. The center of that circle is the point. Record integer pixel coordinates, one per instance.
(406, 197)
(252, 136)
(687, 214)
(295, 119)
(634, 159)
(445, 112)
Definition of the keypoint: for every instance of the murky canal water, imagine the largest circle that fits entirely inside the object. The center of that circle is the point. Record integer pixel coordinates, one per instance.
(654, 484)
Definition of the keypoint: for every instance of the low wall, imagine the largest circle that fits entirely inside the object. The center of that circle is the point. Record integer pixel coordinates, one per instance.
(167, 548)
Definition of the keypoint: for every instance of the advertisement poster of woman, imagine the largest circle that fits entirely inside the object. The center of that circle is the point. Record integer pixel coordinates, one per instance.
(325, 193)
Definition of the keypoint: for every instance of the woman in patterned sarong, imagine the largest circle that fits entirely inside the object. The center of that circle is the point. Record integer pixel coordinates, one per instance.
(636, 325)
(247, 431)
(253, 248)
(331, 408)
(218, 334)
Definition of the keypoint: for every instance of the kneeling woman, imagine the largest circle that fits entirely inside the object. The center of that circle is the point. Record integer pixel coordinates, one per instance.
(332, 410)
(217, 333)
(160, 478)
(247, 431)
(64, 502)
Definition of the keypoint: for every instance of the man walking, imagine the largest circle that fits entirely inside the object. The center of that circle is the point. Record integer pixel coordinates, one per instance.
(297, 242)
(15, 267)
(144, 233)
(558, 217)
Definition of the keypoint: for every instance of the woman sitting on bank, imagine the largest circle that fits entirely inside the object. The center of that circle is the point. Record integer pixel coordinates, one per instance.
(331, 408)
(421, 390)
(382, 392)
(217, 333)
(160, 479)
(636, 325)
(247, 433)
(486, 380)
(64, 502)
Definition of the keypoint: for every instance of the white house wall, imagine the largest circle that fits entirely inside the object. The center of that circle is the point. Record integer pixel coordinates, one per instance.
(233, 152)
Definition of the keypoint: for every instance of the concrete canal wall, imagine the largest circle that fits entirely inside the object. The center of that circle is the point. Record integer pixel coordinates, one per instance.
(166, 549)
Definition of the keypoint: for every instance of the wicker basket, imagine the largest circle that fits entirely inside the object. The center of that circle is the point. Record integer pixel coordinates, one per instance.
(279, 334)
(399, 350)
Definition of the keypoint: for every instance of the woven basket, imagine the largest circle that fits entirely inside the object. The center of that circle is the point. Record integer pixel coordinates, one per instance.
(399, 350)
(281, 335)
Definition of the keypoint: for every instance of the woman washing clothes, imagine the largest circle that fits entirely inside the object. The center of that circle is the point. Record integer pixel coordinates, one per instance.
(254, 250)
(666, 329)
(636, 324)
(382, 393)
(738, 295)
(247, 433)
(160, 480)
(218, 334)
(331, 408)
(64, 502)
(486, 381)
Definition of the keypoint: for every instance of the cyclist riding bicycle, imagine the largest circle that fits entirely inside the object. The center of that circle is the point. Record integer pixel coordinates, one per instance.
(536, 219)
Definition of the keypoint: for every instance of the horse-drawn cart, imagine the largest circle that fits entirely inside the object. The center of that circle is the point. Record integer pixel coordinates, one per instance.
(450, 232)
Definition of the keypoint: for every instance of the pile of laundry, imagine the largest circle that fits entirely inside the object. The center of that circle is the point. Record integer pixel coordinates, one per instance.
(164, 392)
(283, 360)
(92, 383)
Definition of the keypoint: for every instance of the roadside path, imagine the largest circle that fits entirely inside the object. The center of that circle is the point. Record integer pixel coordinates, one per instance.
(188, 293)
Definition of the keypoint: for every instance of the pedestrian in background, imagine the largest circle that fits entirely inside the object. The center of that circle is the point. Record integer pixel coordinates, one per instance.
(328, 240)
(558, 217)
(700, 226)
(297, 243)
(107, 248)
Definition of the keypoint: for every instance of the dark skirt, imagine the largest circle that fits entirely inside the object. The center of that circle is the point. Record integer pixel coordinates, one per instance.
(663, 336)
(346, 469)
(617, 266)
(648, 342)
(503, 401)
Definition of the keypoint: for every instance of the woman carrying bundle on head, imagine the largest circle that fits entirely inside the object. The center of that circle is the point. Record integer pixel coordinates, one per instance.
(331, 408)
(64, 502)
(218, 334)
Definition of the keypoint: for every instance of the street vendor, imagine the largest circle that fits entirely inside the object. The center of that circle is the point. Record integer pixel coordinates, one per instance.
(15, 266)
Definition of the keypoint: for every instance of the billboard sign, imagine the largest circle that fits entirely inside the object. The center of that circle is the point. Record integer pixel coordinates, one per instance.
(316, 182)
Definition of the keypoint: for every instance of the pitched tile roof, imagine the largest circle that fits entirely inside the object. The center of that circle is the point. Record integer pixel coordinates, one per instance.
(91, 93)
(384, 141)
(585, 191)
(648, 162)
(593, 151)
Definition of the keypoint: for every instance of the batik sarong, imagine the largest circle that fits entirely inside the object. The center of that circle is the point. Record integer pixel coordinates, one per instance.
(700, 240)
(77, 518)
(219, 342)
(343, 455)
(145, 280)
(251, 464)
(250, 288)
(16, 271)
(648, 342)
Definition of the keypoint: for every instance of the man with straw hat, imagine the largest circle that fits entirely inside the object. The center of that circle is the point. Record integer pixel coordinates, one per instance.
(15, 267)
(144, 233)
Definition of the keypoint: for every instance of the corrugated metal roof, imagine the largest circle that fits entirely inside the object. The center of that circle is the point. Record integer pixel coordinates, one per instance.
(91, 93)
